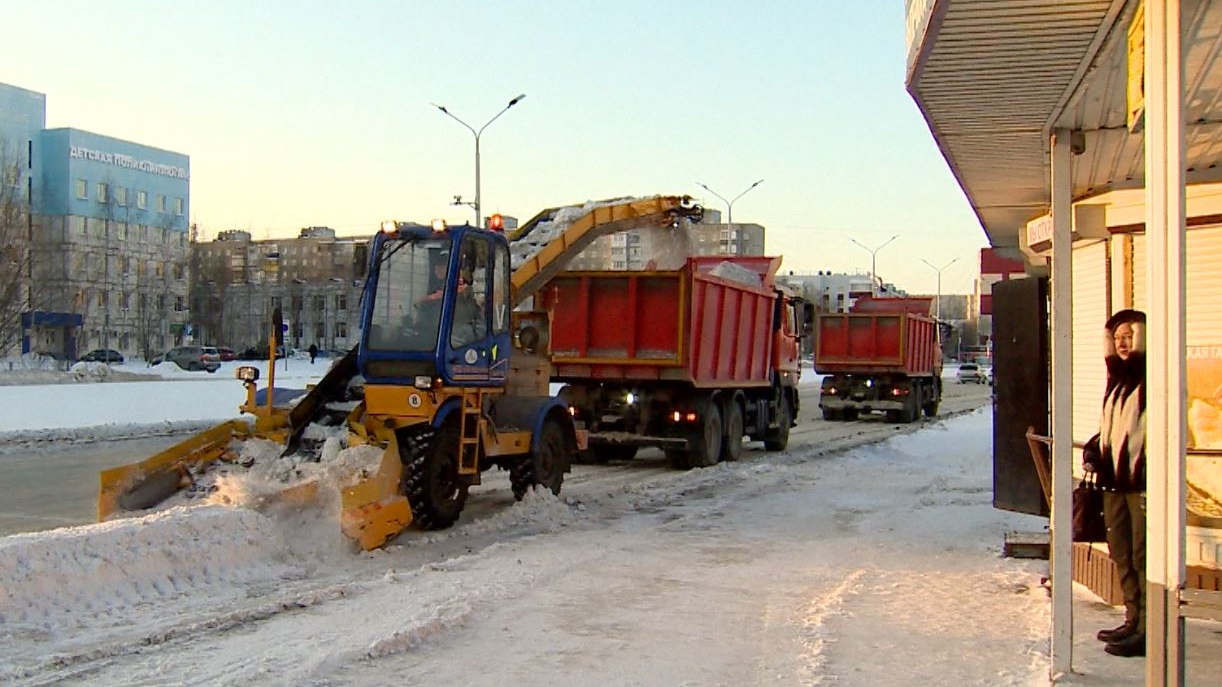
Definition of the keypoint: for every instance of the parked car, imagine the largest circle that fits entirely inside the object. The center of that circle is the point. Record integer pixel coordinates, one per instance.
(102, 355)
(195, 358)
(227, 354)
(970, 373)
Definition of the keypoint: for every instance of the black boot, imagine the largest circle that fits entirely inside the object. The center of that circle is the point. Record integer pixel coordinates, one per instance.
(1133, 645)
(1118, 633)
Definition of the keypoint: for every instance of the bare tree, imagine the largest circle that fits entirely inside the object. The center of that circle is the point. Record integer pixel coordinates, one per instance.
(15, 232)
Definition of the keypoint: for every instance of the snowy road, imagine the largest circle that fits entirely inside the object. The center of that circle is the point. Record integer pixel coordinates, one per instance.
(795, 568)
(56, 484)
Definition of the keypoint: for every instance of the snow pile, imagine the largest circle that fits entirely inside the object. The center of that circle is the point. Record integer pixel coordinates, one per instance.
(49, 579)
(538, 510)
(736, 273)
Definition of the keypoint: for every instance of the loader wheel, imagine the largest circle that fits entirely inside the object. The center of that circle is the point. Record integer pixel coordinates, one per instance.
(778, 438)
(430, 477)
(732, 448)
(545, 467)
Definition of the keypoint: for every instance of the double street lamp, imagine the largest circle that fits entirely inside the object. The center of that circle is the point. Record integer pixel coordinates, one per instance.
(937, 269)
(730, 210)
(479, 218)
(873, 260)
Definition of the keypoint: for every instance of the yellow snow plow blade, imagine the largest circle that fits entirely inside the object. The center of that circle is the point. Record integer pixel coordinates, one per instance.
(372, 509)
(137, 486)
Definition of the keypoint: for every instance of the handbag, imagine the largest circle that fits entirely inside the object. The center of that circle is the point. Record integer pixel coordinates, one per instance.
(1088, 523)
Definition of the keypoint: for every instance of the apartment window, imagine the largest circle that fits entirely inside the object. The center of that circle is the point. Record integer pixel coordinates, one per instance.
(161, 302)
(160, 203)
(341, 302)
(101, 299)
(320, 303)
(341, 330)
(178, 304)
(125, 301)
(82, 189)
(103, 192)
(122, 232)
(121, 196)
(142, 199)
(178, 206)
(320, 330)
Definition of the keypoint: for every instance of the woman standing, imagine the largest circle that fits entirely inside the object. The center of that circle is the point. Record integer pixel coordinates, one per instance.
(1119, 463)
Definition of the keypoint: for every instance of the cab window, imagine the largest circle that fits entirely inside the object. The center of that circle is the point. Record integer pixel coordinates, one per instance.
(470, 323)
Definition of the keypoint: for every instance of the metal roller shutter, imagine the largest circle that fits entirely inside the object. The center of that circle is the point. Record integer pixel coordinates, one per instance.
(1204, 320)
(1204, 304)
(1090, 313)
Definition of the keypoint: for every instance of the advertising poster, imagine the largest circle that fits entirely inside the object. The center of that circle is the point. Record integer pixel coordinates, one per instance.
(1205, 397)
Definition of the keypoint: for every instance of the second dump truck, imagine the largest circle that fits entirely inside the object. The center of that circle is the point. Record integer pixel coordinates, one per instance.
(884, 356)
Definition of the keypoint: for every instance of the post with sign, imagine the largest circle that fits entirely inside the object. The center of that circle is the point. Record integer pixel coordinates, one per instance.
(277, 328)
(284, 336)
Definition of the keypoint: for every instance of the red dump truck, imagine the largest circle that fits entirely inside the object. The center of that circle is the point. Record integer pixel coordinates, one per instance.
(690, 360)
(883, 355)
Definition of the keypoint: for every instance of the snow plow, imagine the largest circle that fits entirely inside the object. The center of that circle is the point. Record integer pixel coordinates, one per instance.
(446, 382)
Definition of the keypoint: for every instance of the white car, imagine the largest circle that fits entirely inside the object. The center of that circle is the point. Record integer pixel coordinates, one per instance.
(971, 373)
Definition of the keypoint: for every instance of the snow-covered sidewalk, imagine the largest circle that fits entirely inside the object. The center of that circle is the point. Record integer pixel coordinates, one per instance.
(880, 566)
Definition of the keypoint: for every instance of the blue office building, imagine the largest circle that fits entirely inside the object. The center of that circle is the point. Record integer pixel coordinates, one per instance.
(105, 236)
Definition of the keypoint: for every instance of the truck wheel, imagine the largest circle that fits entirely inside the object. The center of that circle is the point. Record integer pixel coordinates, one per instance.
(910, 412)
(707, 450)
(778, 438)
(732, 448)
(545, 467)
(850, 414)
(430, 476)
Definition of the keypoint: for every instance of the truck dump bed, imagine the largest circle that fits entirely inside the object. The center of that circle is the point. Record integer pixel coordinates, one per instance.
(897, 337)
(708, 324)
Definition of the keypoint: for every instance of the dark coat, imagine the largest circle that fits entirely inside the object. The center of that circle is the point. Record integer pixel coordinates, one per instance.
(1118, 453)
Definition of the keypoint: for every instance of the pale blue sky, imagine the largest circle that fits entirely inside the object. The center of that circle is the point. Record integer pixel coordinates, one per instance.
(317, 113)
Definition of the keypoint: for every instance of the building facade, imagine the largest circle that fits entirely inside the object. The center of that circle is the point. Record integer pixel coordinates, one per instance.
(315, 280)
(105, 242)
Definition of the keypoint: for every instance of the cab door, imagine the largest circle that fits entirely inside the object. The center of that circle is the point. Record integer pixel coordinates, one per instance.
(477, 349)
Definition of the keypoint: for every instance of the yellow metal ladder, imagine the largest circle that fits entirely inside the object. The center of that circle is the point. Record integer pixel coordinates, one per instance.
(472, 425)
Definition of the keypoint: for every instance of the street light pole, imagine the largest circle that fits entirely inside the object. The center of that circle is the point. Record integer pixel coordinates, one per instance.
(937, 269)
(873, 259)
(479, 218)
(730, 210)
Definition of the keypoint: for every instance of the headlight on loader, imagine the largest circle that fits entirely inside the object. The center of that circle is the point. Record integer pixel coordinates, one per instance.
(247, 373)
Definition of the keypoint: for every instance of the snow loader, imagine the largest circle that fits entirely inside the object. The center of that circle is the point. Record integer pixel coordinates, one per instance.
(450, 377)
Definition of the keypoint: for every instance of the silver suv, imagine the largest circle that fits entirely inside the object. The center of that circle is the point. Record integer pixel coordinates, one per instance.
(195, 358)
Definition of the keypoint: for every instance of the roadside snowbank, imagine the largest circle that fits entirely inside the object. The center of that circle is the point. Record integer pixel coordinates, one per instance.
(50, 579)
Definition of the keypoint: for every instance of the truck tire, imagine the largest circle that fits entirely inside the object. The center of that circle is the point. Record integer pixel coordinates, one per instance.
(706, 450)
(849, 414)
(732, 449)
(430, 476)
(545, 466)
(778, 439)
